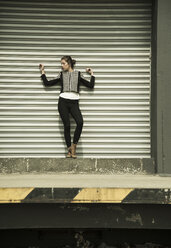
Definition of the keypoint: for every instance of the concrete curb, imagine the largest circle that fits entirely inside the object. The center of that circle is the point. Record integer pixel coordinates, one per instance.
(76, 166)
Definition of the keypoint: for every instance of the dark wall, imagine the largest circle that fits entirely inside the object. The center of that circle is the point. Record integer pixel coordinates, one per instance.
(163, 87)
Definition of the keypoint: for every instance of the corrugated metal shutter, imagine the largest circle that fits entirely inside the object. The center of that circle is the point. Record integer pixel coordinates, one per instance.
(114, 38)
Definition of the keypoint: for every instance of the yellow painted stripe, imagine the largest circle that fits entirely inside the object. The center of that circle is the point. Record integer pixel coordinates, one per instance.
(89, 195)
(13, 195)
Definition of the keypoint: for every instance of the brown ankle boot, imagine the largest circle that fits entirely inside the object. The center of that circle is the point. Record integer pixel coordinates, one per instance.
(69, 153)
(73, 150)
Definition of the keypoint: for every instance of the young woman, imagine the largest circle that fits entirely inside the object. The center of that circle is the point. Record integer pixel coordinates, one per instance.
(70, 80)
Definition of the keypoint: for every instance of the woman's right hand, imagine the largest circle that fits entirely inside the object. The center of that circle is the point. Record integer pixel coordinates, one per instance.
(41, 67)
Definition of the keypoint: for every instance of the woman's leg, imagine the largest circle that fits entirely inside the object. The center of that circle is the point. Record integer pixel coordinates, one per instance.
(64, 113)
(76, 114)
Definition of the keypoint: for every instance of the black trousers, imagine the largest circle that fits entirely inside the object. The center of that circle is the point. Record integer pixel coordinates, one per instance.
(66, 107)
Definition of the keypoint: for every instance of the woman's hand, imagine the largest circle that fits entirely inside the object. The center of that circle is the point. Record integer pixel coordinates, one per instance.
(89, 70)
(42, 67)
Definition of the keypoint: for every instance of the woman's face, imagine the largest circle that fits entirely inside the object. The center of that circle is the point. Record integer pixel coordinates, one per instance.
(65, 66)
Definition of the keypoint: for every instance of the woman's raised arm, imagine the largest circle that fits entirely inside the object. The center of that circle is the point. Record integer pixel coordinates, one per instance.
(91, 83)
(47, 82)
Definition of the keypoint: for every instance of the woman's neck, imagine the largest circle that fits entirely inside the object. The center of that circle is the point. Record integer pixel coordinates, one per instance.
(70, 70)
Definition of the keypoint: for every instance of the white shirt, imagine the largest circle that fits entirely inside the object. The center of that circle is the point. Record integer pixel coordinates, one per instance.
(70, 95)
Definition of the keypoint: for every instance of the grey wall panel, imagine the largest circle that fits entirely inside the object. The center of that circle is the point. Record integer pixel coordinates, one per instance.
(112, 37)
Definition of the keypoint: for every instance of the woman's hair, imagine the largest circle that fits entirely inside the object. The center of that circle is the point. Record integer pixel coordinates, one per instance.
(69, 60)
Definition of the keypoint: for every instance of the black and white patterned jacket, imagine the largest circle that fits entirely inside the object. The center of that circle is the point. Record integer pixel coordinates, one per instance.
(70, 81)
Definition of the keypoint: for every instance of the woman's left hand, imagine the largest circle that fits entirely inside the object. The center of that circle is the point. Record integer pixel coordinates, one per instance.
(89, 70)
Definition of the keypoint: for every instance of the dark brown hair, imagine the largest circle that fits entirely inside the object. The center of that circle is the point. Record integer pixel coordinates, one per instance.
(69, 60)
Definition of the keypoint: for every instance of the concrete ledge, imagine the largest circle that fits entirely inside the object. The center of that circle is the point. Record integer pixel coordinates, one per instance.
(85, 195)
(77, 166)
(61, 180)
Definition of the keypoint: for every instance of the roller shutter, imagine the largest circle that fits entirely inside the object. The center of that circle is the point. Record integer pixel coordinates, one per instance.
(114, 38)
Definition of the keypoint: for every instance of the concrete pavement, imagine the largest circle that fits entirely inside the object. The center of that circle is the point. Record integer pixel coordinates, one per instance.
(84, 180)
